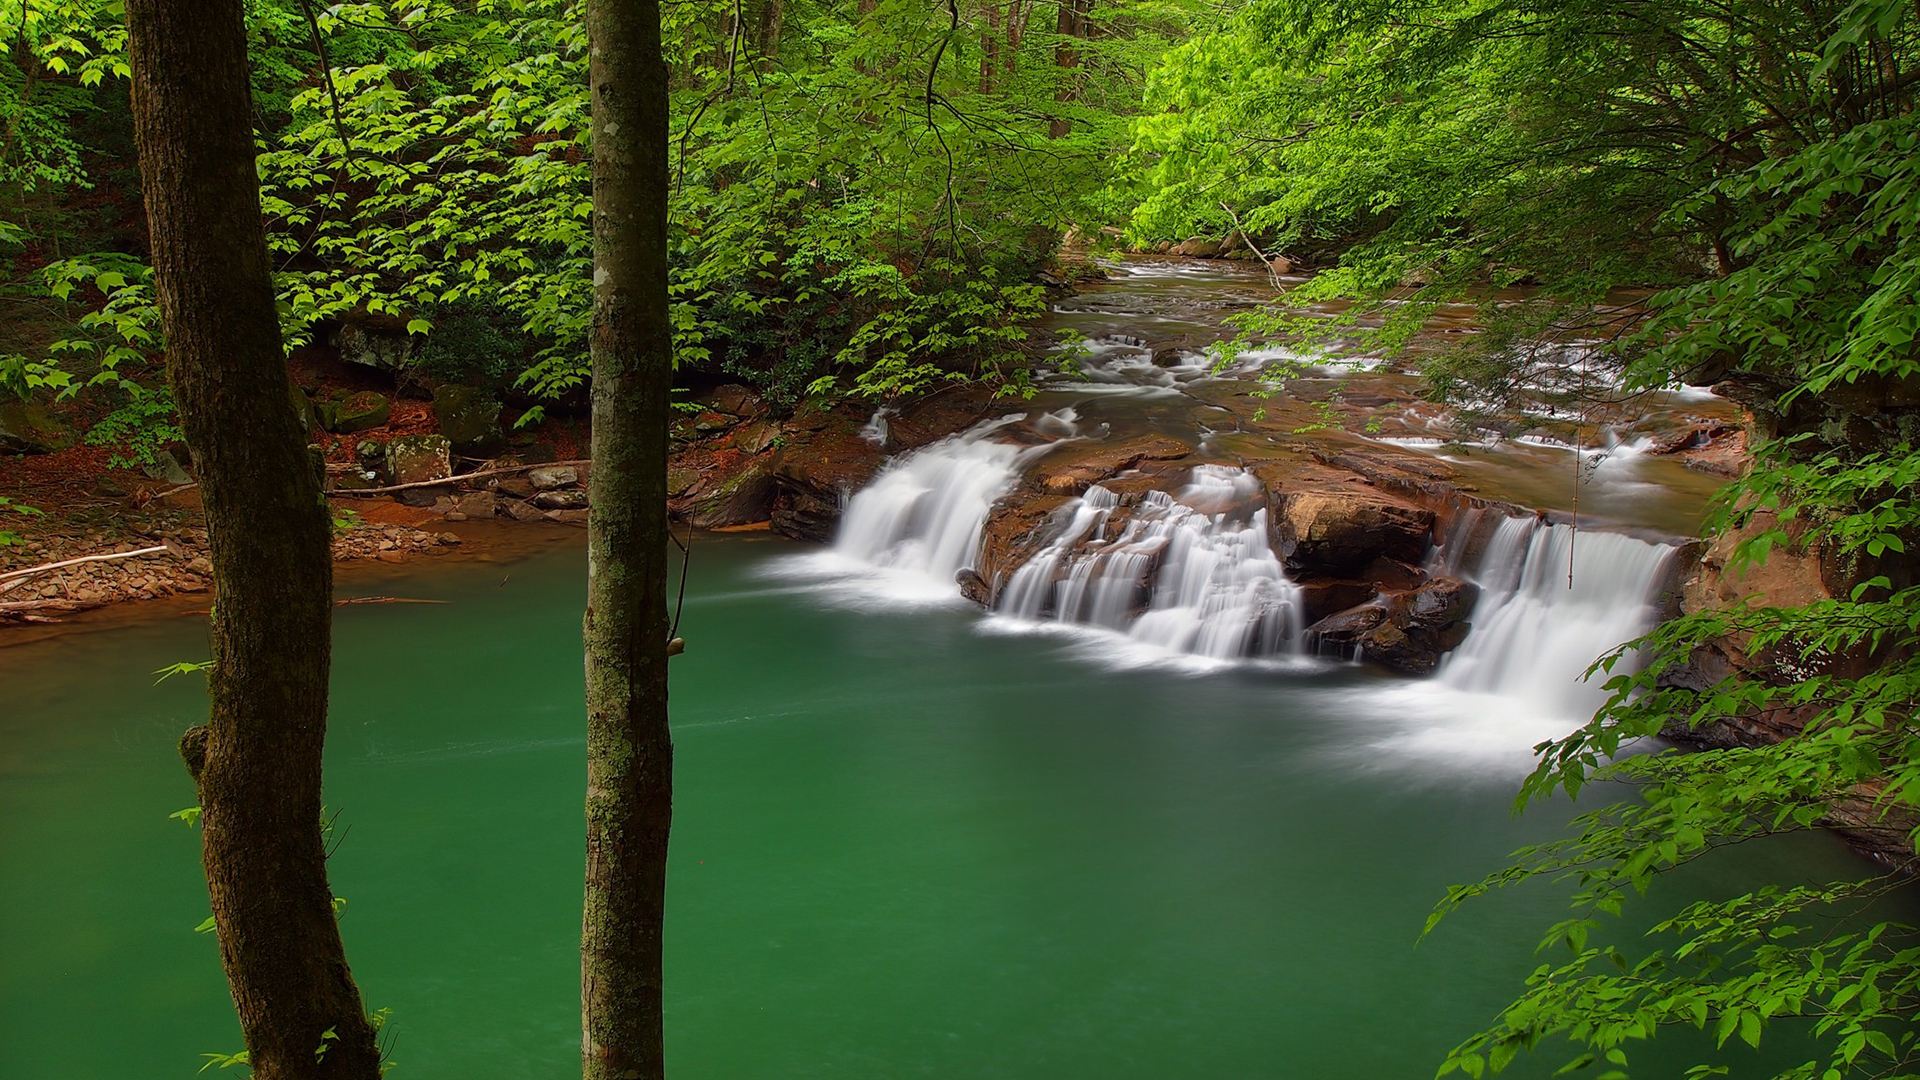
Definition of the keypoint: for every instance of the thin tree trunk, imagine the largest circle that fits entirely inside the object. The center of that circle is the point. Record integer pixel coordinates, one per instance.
(1072, 24)
(989, 45)
(257, 761)
(629, 803)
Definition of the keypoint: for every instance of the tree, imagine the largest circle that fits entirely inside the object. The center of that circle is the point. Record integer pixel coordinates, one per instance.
(257, 761)
(1756, 160)
(629, 802)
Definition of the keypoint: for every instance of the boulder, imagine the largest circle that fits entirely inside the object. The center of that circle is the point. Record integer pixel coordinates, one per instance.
(521, 511)
(362, 411)
(1322, 598)
(561, 499)
(413, 459)
(28, 427)
(553, 477)
(1348, 629)
(303, 408)
(166, 466)
(1337, 528)
(375, 347)
(469, 417)
(1407, 632)
(973, 586)
(514, 487)
(735, 400)
(1440, 604)
(745, 497)
(815, 475)
(756, 435)
(476, 504)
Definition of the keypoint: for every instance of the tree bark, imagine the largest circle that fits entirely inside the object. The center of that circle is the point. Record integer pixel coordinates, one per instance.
(989, 45)
(629, 803)
(257, 761)
(1071, 24)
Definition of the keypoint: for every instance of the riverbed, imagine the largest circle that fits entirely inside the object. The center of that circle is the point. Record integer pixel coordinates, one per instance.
(906, 844)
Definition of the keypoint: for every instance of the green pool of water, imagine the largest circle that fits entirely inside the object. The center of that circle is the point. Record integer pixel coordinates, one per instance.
(902, 848)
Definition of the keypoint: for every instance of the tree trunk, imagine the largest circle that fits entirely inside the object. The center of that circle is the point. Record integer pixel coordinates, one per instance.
(1072, 24)
(257, 761)
(989, 45)
(629, 802)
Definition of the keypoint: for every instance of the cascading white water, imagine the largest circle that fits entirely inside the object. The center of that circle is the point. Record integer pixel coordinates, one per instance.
(1536, 629)
(1187, 573)
(925, 512)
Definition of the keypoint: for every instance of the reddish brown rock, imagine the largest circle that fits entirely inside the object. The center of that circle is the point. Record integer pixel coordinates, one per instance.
(1324, 523)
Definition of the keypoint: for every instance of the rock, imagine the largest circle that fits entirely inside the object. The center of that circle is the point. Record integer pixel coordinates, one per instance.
(553, 477)
(475, 504)
(1388, 573)
(514, 487)
(413, 459)
(469, 417)
(568, 517)
(1169, 356)
(1076, 466)
(1319, 599)
(167, 467)
(973, 586)
(1406, 632)
(374, 347)
(734, 400)
(569, 499)
(681, 479)
(27, 427)
(744, 498)
(370, 454)
(1198, 248)
(521, 511)
(361, 412)
(303, 408)
(756, 435)
(1348, 628)
(1280, 264)
(814, 476)
(1441, 603)
(1335, 528)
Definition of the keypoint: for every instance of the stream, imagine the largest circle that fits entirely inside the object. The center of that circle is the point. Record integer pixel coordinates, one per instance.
(1077, 836)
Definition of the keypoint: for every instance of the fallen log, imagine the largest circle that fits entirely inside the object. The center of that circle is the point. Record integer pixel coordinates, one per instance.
(63, 563)
(389, 489)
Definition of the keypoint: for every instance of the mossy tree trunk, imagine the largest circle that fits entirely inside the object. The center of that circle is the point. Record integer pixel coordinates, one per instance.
(629, 802)
(257, 761)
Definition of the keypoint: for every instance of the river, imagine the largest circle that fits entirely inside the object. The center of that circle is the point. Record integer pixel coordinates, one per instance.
(904, 845)
(1131, 823)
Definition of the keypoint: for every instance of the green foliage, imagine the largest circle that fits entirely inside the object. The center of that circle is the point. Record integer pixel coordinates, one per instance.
(8, 505)
(224, 1061)
(861, 197)
(1755, 162)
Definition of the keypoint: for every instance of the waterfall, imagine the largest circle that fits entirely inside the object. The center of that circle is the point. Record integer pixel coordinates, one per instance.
(925, 511)
(1188, 573)
(1534, 635)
